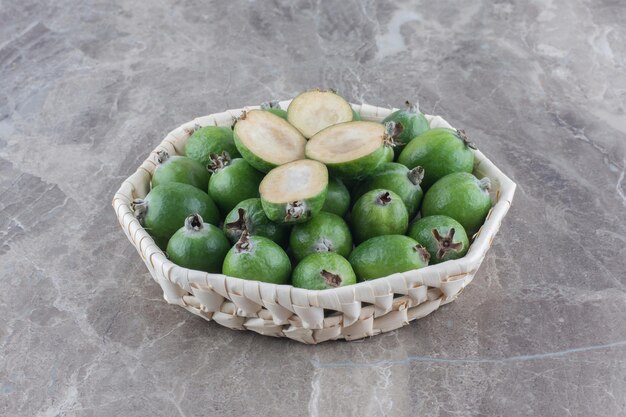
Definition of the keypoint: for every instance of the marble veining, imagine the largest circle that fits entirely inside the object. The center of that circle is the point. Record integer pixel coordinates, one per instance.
(88, 88)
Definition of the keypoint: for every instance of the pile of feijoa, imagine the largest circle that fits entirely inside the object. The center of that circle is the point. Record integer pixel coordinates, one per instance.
(316, 197)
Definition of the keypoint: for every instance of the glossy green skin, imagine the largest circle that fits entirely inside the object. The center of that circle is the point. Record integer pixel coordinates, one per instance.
(210, 139)
(370, 219)
(385, 255)
(422, 231)
(440, 152)
(256, 222)
(356, 116)
(414, 124)
(235, 182)
(360, 167)
(202, 250)
(324, 232)
(277, 212)
(307, 273)
(168, 205)
(394, 177)
(183, 170)
(337, 198)
(459, 196)
(389, 154)
(265, 261)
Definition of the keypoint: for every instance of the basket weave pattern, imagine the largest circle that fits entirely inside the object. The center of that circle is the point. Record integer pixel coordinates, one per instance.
(308, 316)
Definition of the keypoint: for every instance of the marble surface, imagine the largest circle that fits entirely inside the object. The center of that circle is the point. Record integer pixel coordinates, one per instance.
(87, 88)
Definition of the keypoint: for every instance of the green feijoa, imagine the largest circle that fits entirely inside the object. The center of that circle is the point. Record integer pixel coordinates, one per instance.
(325, 232)
(233, 180)
(356, 116)
(315, 110)
(249, 215)
(461, 196)
(337, 198)
(378, 212)
(443, 237)
(257, 258)
(267, 141)
(323, 270)
(381, 256)
(164, 210)
(409, 122)
(198, 245)
(440, 152)
(294, 192)
(210, 140)
(274, 107)
(174, 168)
(399, 179)
(350, 150)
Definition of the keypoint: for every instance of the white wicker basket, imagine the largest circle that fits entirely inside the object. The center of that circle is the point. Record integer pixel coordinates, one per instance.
(308, 316)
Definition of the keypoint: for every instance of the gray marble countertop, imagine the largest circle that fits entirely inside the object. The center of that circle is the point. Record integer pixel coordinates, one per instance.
(88, 88)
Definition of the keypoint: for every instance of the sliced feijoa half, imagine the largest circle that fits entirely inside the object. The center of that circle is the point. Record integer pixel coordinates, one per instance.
(294, 192)
(266, 141)
(313, 111)
(350, 150)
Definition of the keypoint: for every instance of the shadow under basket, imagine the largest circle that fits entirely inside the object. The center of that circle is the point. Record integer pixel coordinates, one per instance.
(308, 316)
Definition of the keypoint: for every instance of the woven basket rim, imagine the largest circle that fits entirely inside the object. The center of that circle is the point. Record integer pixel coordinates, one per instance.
(480, 245)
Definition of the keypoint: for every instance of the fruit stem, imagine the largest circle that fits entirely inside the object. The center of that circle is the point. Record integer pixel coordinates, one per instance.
(140, 208)
(295, 210)
(423, 252)
(240, 223)
(463, 136)
(446, 243)
(413, 108)
(416, 175)
(324, 245)
(392, 131)
(162, 156)
(484, 184)
(218, 161)
(243, 244)
(194, 222)
(332, 280)
(270, 105)
(384, 198)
